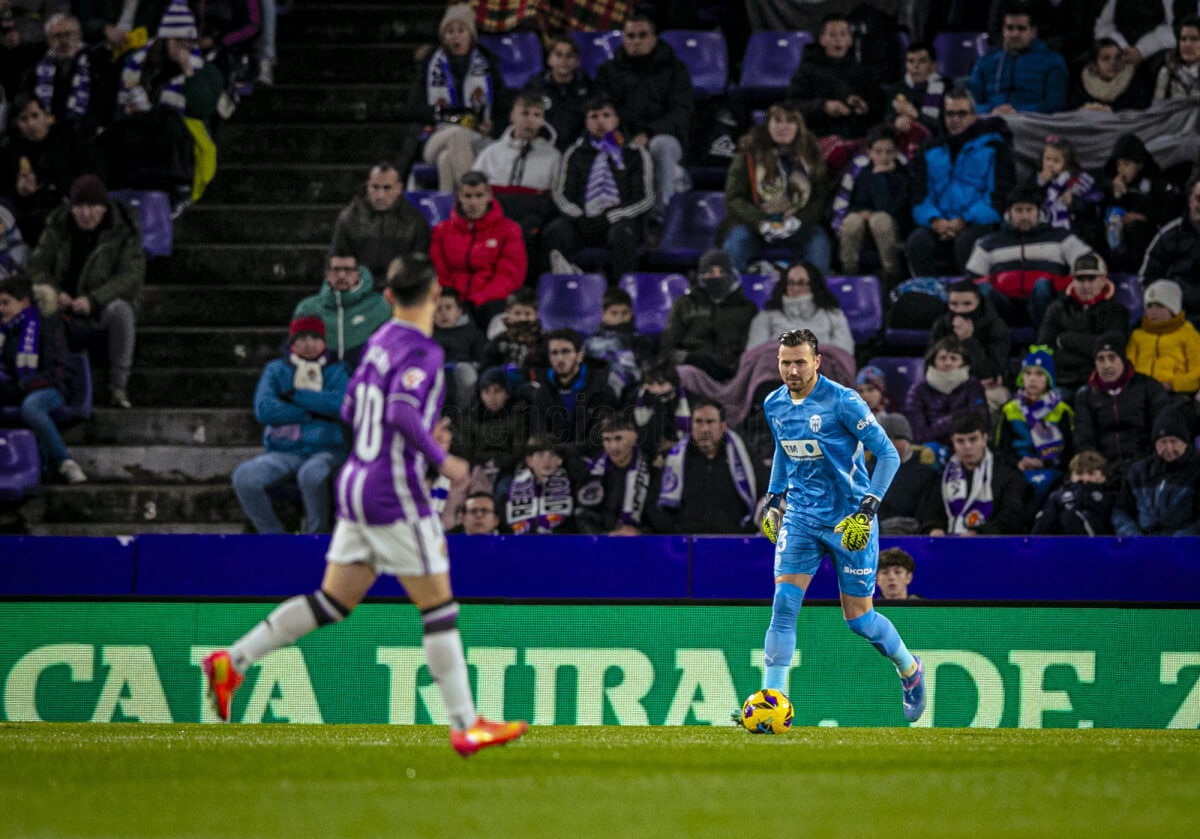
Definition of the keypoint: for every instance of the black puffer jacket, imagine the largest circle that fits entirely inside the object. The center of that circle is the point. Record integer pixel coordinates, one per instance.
(1118, 424)
(987, 348)
(820, 78)
(1174, 254)
(578, 426)
(1070, 328)
(653, 93)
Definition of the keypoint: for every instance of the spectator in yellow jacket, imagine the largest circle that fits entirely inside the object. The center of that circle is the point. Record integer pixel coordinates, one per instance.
(1166, 346)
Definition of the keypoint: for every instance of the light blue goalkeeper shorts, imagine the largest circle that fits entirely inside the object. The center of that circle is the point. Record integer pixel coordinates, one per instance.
(801, 545)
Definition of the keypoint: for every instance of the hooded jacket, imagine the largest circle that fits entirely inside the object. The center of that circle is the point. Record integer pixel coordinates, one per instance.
(350, 317)
(988, 347)
(1160, 498)
(483, 260)
(1117, 424)
(967, 176)
(515, 166)
(820, 77)
(1032, 80)
(302, 422)
(1174, 254)
(1167, 352)
(1070, 327)
(376, 238)
(698, 324)
(653, 93)
(1013, 260)
(1151, 195)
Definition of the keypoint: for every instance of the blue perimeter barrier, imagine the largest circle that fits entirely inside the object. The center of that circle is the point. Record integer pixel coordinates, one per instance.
(563, 567)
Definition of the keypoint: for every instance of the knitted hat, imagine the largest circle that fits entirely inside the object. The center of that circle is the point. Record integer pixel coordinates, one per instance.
(896, 427)
(459, 13)
(1025, 194)
(873, 376)
(177, 22)
(302, 326)
(1039, 356)
(88, 189)
(1090, 265)
(1112, 341)
(715, 258)
(1168, 423)
(1165, 293)
(494, 376)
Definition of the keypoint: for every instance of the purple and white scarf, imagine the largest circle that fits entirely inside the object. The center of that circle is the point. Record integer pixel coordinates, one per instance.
(931, 102)
(442, 91)
(25, 329)
(967, 506)
(172, 93)
(644, 408)
(602, 190)
(1047, 437)
(741, 470)
(538, 508)
(637, 487)
(1079, 186)
(81, 84)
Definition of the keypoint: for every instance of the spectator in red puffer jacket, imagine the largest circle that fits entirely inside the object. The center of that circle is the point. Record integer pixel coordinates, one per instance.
(477, 251)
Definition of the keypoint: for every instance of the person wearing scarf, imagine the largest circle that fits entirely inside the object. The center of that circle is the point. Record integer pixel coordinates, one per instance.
(708, 481)
(1179, 77)
(915, 103)
(1035, 430)
(981, 494)
(948, 389)
(541, 499)
(1166, 347)
(619, 487)
(661, 412)
(1107, 83)
(1087, 309)
(62, 80)
(170, 72)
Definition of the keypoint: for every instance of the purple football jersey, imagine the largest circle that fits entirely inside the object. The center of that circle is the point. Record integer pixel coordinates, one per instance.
(383, 481)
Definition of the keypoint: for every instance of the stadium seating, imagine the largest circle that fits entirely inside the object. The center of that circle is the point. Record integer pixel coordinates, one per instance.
(652, 296)
(690, 228)
(900, 374)
(957, 51)
(758, 287)
(154, 214)
(862, 302)
(1129, 294)
(571, 301)
(20, 467)
(78, 397)
(423, 176)
(706, 58)
(771, 61)
(595, 48)
(435, 206)
(520, 55)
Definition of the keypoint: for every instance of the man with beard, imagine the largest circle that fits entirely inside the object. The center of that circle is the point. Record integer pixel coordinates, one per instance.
(570, 399)
(381, 225)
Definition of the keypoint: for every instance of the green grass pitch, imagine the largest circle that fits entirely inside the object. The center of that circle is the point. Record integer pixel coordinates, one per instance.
(297, 782)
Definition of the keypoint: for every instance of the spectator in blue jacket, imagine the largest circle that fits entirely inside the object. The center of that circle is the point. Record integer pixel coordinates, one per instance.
(961, 180)
(299, 400)
(1023, 74)
(1161, 493)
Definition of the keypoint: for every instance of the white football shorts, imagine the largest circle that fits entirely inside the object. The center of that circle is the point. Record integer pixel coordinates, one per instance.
(401, 549)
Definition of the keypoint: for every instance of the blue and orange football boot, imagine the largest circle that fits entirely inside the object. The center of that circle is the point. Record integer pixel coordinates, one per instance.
(223, 680)
(484, 733)
(913, 688)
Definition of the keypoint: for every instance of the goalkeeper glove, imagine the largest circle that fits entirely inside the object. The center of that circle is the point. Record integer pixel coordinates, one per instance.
(856, 528)
(773, 507)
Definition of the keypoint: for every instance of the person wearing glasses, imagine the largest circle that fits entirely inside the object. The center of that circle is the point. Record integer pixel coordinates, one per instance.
(960, 180)
(348, 305)
(68, 81)
(478, 516)
(1022, 74)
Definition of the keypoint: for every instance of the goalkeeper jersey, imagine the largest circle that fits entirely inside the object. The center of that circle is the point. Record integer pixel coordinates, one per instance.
(819, 447)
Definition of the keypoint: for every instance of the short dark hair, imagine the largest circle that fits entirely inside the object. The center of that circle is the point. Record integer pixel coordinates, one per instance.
(707, 402)
(17, 286)
(384, 166)
(921, 46)
(895, 557)
(799, 338)
(1025, 194)
(950, 343)
(1187, 21)
(23, 100)
(661, 371)
(641, 16)
(619, 421)
(964, 286)
(450, 293)
(565, 334)
(1019, 8)
(563, 39)
(883, 131)
(599, 103)
(832, 17)
(522, 297)
(339, 254)
(529, 98)
(473, 178)
(540, 443)
(488, 496)
(1101, 44)
(968, 422)
(410, 276)
(959, 93)
(616, 297)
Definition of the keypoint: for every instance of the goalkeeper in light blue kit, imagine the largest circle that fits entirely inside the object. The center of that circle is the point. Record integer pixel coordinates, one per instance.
(821, 429)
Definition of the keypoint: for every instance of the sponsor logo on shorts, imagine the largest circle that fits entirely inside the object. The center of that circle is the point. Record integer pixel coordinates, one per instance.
(802, 449)
(857, 572)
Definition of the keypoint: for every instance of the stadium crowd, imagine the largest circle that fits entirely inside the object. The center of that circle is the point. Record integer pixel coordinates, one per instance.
(1055, 305)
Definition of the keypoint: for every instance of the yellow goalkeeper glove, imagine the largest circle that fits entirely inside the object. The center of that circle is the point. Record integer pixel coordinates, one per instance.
(856, 528)
(772, 515)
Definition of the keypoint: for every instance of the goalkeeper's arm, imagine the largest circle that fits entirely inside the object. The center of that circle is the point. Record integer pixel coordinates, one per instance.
(776, 491)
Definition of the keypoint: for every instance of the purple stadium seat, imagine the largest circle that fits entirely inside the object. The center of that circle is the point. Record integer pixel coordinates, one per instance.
(154, 214)
(595, 48)
(690, 227)
(435, 206)
(520, 55)
(900, 374)
(423, 176)
(706, 58)
(571, 301)
(957, 51)
(1129, 294)
(652, 296)
(771, 61)
(862, 301)
(758, 288)
(907, 337)
(20, 468)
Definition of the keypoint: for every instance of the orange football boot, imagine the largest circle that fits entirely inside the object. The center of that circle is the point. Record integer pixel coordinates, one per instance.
(223, 680)
(486, 733)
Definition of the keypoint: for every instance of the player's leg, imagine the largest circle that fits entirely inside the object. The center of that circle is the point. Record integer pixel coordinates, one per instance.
(797, 558)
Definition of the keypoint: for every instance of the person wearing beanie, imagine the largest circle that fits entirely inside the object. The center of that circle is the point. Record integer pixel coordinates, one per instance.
(915, 482)
(1161, 493)
(1166, 347)
(1087, 309)
(1036, 427)
(459, 89)
(708, 326)
(169, 71)
(1026, 262)
(494, 427)
(298, 401)
(89, 266)
(872, 387)
(1115, 410)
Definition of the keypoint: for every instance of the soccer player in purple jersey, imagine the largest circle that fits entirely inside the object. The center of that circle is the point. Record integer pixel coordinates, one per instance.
(386, 523)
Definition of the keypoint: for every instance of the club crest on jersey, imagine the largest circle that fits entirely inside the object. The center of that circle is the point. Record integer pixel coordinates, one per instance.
(412, 378)
(814, 423)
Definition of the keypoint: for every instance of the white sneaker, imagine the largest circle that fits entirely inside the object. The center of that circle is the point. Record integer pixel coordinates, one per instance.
(560, 265)
(266, 73)
(71, 472)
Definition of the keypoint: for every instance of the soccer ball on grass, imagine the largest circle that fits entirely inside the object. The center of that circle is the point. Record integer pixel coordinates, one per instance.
(767, 712)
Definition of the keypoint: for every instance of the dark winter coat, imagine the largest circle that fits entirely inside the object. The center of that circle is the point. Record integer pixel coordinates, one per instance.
(909, 491)
(987, 348)
(930, 411)
(1033, 80)
(483, 260)
(1174, 254)
(1118, 426)
(820, 78)
(578, 424)
(461, 342)
(376, 238)
(493, 439)
(1008, 504)
(563, 104)
(1076, 509)
(698, 325)
(422, 110)
(1070, 328)
(1152, 195)
(1160, 498)
(635, 183)
(51, 366)
(653, 93)
(57, 160)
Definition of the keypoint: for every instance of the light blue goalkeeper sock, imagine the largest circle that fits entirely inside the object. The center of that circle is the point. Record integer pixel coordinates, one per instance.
(781, 635)
(883, 636)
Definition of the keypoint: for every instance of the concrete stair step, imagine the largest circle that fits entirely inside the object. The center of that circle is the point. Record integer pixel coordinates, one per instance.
(132, 506)
(261, 183)
(361, 23)
(348, 62)
(168, 427)
(239, 264)
(207, 387)
(251, 223)
(221, 305)
(310, 142)
(330, 103)
(192, 346)
(161, 464)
